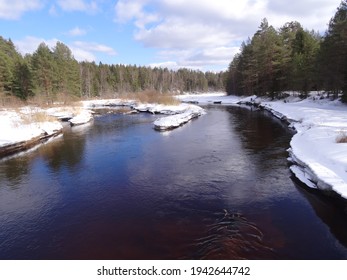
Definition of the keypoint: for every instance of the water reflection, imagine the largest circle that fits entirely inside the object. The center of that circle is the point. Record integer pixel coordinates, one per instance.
(331, 210)
(67, 151)
(117, 189)
(14, 170)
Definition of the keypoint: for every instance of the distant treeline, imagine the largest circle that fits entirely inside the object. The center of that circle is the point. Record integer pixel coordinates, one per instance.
(50, 72)
(292, 59)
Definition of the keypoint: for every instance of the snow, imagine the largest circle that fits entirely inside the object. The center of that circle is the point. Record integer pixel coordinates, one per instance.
(100, 103)
(209, 98)
(60, 114)
(15, 130)
(314, 148)
(83, 117)
(319, 161)
(27, 124)
(19, 126)
(177, 114)
(170, 122)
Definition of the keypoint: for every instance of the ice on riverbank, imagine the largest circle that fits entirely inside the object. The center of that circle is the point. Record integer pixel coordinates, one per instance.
(210, 98)
(318, 160)
(314, 150)
(83, 117)
(188, 113)
(177, 114)
(22, 130)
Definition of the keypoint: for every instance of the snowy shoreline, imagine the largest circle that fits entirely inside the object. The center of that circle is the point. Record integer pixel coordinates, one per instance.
(26, 127)
(317, 159)
(176, 115)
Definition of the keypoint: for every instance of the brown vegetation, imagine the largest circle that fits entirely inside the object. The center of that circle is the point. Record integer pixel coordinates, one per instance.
(36, 116)
(9, 101)
(342, 137)
(153, 96)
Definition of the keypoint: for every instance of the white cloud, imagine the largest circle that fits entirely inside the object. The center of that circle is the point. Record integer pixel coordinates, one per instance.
(78, 5)
(53, 11)
(312, 14)
(82, 55)
(29, 44)
(202, 59)
(128, 10)
(95, 47)
(167, 64)
(77, 32)
(82, 51)
(208, 30)
(14, 9)
(212, 56)
(133, 10)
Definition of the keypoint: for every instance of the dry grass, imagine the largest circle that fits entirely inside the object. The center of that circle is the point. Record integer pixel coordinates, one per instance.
(9, 101)
(51, 101)
(36, 117)
(342, 137)
(152, 96)
(42, 101)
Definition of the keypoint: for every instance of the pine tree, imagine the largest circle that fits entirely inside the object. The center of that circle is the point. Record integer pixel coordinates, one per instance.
(333, 56)
(67, 72)
(23, 80)
(9, 57)
(43, 66)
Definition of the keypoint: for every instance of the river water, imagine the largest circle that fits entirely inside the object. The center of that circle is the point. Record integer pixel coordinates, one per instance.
(217, 188)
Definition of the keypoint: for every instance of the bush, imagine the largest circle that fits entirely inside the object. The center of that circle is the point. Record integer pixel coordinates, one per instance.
(342, 137)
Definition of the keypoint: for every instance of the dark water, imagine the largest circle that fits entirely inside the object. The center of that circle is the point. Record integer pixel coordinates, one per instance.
(216, 188)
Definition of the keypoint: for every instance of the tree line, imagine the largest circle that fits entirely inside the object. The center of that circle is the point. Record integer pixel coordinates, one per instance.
(50, 72)
(292, 58)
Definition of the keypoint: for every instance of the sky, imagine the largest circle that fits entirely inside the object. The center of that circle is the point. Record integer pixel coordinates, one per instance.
(196, 34)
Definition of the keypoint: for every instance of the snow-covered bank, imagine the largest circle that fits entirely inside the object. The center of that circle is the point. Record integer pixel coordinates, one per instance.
(26, 127)
(82, 118)
(74, 115)
(21, 130)
(174, 121)
(318, 160)
(209, 98)
(177, 114)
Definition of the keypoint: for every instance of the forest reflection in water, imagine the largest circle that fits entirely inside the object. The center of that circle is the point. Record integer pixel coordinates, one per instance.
(217, 188)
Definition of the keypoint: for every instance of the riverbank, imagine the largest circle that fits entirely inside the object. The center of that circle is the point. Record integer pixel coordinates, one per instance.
(318, 150)
(25, 127)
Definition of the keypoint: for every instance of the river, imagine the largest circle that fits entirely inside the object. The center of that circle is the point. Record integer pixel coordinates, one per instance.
(217, 188)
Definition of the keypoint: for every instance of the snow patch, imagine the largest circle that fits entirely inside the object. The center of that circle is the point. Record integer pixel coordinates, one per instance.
(318, 160)
(174, 121)
(83, 117)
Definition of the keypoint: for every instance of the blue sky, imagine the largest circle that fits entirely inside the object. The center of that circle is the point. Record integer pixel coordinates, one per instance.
(198, 34)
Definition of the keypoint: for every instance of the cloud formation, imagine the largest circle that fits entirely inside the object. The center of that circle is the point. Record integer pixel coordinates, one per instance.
(14, 9)
(78, 5)
(201, 34)
(82, 51)
(29, 44)
(77, 32)
(212, 30)
(95, 47)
